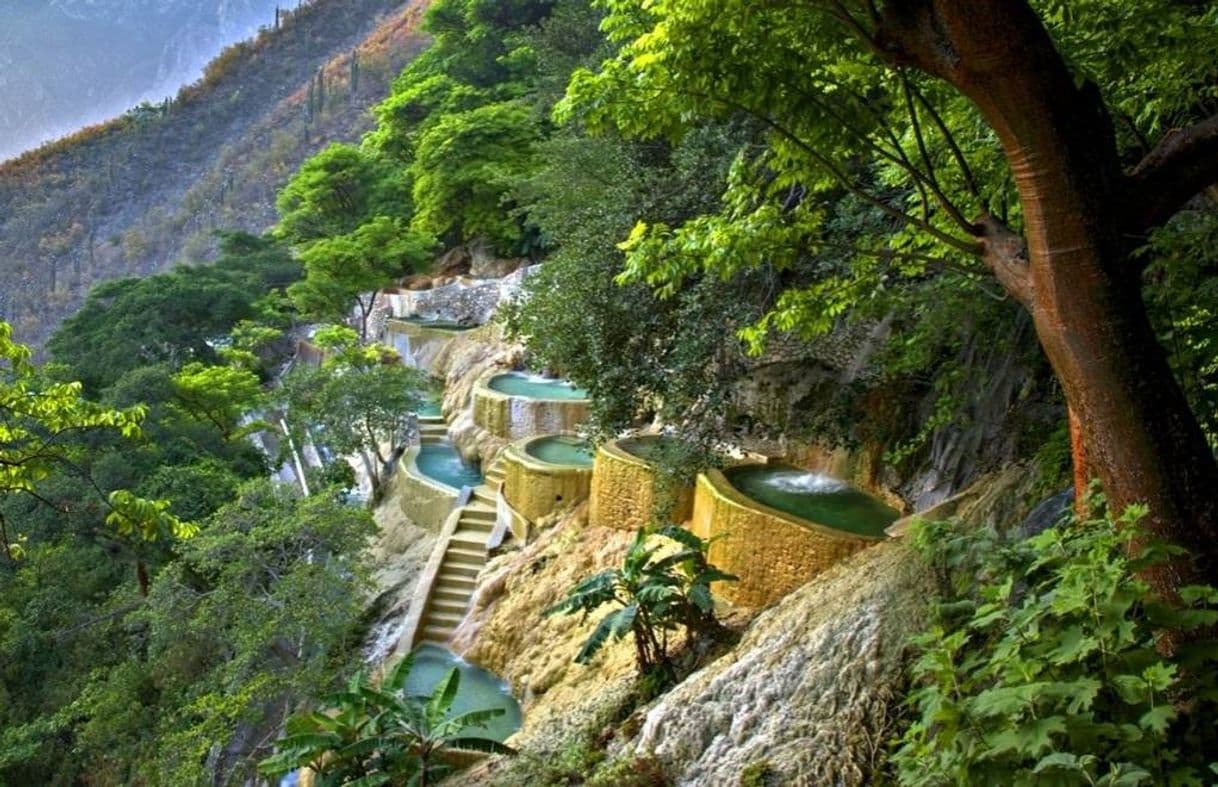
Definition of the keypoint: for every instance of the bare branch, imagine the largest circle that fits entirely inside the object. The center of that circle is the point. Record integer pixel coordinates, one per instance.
(1183, 163)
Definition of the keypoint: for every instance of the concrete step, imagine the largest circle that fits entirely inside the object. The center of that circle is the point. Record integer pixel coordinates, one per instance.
(441, 595)
(485, 496)
(449, 620)
(469, 540)
(479, 512)
(454, 586)
(463, 556)
(459, 570)
(431, 419)
(436, 634)
(470, 529)
(447, 607)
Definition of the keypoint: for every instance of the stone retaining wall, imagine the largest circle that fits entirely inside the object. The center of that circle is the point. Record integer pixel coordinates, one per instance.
(624, 492)
(518, 417)
(536, 489)
(770, 551)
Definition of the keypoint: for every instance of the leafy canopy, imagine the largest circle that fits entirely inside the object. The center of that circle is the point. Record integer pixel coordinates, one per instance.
(39, 424)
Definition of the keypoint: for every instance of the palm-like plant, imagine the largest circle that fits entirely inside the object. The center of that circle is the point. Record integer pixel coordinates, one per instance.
(377, 736)
(654, 594)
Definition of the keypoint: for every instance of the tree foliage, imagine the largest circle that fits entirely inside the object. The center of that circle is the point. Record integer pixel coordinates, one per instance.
(359, 402)
(175, 317)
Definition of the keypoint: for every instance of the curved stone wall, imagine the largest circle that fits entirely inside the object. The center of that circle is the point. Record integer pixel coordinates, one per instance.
(424, 502)
(536, 489)
(624, 492)
(517, 417)
(770, 551)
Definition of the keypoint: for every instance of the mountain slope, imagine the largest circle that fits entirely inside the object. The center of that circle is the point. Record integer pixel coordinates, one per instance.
(69, 63)
(139, 193)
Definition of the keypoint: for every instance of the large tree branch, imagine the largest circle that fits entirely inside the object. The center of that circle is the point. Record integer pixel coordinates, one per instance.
(1183, 163)
(1006, 254)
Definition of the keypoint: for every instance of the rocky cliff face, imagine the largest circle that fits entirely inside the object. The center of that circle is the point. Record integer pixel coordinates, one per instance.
(810, 689)
(71, 63)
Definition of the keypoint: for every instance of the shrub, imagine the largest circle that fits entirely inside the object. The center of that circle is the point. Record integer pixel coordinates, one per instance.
(654, 596)
(1040, 666)
(382, 736)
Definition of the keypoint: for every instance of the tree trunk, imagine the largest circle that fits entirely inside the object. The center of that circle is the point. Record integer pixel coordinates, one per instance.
(1078, 280)
(1082, 468)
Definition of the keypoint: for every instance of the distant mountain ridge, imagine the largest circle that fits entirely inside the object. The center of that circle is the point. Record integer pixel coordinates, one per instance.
(65, 64)
(134, 195)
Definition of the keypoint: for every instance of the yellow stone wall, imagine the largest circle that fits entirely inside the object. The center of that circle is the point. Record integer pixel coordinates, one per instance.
(771, 552)
(516, 417)
(624, 493)
(423, 501)
(537, 489)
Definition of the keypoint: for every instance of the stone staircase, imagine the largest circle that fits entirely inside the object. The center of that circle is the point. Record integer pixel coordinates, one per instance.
(465, 554)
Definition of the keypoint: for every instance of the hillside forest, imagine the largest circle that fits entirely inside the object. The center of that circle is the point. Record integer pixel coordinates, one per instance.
(956, 241)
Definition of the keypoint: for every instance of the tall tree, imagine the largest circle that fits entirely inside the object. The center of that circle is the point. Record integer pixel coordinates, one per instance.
(360, 402)
(994, 146)
(355, 267)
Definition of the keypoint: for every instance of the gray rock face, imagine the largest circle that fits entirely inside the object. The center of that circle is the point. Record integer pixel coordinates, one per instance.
(466, 301)
(1046, 514)
(810, 687)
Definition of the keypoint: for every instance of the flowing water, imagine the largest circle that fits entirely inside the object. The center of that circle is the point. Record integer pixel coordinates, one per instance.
(441, 462)
(560, 450)
(814, 497)
(532, 386)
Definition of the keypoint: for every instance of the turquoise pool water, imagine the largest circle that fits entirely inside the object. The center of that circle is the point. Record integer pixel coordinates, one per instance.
(814, 497)
(430, 408)
(531, 386)
(561, 450)
(441, 462)
(652, 448)
(478, 690)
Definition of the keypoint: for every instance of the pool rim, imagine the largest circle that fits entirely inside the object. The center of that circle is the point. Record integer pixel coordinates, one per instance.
(614, 447)
(524, 444)
(484, 387)
(392, 323)
(722, 485)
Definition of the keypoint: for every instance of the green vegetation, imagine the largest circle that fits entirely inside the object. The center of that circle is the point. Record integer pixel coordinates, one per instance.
(173, 317)
(657, 591)
(39, 437)
(184, 674)
(1044, 666)
(382, 735)
(358, 403)
(922, 230)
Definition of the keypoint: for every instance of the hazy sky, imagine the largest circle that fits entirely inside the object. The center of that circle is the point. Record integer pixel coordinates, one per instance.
(65, 64)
